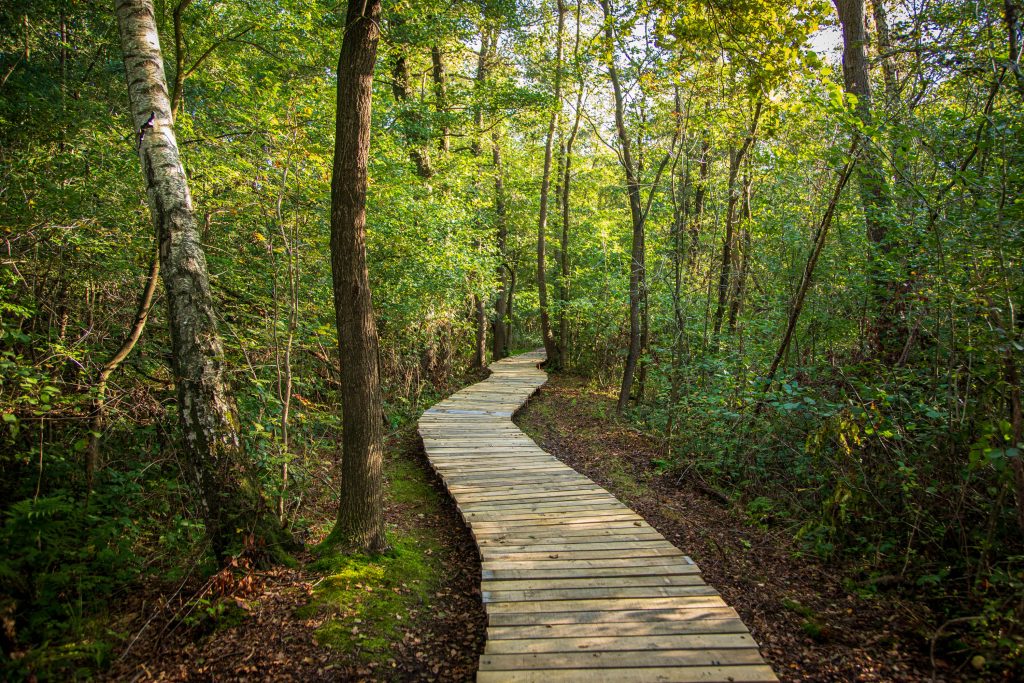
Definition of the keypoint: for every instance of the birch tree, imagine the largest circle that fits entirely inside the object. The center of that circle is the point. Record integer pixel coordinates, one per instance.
(234, 509)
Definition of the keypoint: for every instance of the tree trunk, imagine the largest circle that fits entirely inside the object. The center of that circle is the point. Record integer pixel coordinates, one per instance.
(736, 301)
(1012, 18)
(487, 41)
(361, 510)
(441, 96)
(511, 304)
(92, 458)
(889, 75)
(480, 350)
(636, 270)
(177, 90)
(812, 261)
(563, 246)
(550, 346)
(500, 348)
(700, 193)
(725, 274)
(874, 191)
(410, 120)
(235, 511)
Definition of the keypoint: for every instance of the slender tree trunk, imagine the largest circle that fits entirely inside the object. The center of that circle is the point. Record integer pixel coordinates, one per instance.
(411, 121)
(700, 193)
(636, 269)
(480, 351)
(1012, 18)
(283, 357)
(812, 261)
(488, 37)
(234, 507)
(500, 348)
(92, 461)
(179, 57)
(441, 96)
(563, 247)
(511, 304)
(874, 191)
(736, 301)
(550, 346)
(361, 509)
(725, 274)
(889, 75)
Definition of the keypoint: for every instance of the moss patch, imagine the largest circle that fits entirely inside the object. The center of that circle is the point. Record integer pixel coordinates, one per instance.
(371, 601)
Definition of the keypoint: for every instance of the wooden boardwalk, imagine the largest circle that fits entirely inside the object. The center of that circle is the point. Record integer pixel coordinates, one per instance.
(577, 586)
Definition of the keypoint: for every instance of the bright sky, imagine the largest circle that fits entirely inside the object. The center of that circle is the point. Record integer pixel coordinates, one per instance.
(827, 41)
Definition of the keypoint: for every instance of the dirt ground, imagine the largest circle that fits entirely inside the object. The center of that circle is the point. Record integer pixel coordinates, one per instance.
(270, 637)
(810, 628)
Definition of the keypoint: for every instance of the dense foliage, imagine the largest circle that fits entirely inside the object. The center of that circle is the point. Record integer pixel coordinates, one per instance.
(888, 438)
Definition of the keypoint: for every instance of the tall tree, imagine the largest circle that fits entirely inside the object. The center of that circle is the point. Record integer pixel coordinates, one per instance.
(550, 345)
(361, 510)
(563, 245)
(441, 96)
(233, 507)
(874, 190)
(504, 295)
(636, 264)
(736, 156)
(410, 116)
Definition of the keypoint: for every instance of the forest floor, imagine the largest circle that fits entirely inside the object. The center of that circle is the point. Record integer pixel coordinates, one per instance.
(412, 614)
(415, 613)
(810, 627)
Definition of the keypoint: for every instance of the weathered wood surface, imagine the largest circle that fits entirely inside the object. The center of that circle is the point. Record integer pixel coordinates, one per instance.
(577, 586)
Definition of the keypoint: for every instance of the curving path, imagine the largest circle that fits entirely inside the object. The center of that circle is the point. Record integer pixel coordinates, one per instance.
(577, 586)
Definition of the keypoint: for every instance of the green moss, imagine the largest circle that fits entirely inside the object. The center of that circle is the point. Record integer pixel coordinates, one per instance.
(623, 482)
(370, 600)
(811, 626)
(408, 485)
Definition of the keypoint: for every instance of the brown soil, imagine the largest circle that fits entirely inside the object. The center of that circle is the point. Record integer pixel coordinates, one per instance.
(270, 641)
(810, 628)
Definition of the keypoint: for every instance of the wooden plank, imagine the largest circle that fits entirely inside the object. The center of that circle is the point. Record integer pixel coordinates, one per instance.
(614, 544)
(580, 564)
(619, 660)
(594, 502)
(603, 592)
(570, 491)
(618, 554)
(571, 524)
(607, 604)
(708, 674)
(592, 582)
(620, 629)
(576, 585)
(587, 617)
(549, 537)
(572, 572)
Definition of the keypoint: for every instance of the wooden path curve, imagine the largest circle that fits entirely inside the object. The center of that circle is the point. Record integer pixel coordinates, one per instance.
(577, 586)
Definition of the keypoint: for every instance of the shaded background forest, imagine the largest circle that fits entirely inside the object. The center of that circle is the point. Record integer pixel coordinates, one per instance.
(887, 440)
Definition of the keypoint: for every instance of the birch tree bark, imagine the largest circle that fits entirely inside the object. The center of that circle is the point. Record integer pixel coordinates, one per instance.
(361, 509)
(234, 510)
